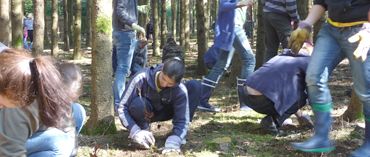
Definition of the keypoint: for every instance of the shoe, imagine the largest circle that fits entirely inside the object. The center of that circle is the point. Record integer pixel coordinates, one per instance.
(208, 108)
(364, 150)
(245, 108)
(268, 124)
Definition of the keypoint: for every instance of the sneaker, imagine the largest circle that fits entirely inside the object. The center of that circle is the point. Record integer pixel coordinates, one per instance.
(245, 108)
(208, 108)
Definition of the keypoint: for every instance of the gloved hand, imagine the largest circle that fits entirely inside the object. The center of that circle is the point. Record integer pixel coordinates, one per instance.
(363, 39)
(142, 137)
(138, 28)
(299, 36)
(172, 144)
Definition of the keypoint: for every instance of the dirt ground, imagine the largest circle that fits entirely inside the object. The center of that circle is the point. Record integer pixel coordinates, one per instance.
(231, 132)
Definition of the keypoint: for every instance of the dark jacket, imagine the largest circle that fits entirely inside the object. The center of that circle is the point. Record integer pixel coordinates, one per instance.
(282, 80)
(143, 84)
(125, 13)
(346, 10)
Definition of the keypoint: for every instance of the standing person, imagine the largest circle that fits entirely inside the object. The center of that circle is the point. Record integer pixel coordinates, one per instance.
(229, 33)
(277, 18)
(157, 94)
(28, 25)
(346, 24)
(33, 97)
(125, 18)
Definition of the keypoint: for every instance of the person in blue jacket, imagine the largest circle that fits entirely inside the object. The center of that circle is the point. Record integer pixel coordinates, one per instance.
(229, 34)
(157, 94)
(283, 95)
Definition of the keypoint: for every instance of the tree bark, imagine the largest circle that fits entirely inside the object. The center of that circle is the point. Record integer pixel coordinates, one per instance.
(46, 26)
(77, 54)
(88, 23)
(54, 28)
(174, 18)
(202, 36)
(66, 25)
(156, 26)
(70, 8)
(17, 23)
(101, 120)
(38, 27)
(5, 33)
(163, 23)
(186, 24)
(260, 50)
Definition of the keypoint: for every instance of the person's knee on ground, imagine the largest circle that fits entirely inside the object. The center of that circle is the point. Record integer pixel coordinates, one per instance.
(193, 87)
(141, 111)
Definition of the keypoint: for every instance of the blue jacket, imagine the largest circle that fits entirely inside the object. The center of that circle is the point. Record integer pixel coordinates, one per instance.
(282, 80)
(143, 84)
(224, 30)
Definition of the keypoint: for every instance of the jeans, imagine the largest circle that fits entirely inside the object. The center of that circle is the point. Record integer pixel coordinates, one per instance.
(331, 48)
(79, 115)
(51, 142)
(124, 43)
(241, 45)
(277, 30)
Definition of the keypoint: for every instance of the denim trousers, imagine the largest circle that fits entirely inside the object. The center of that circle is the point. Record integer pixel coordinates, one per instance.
(241, 46)
(55, 142)
(331, 48)
(124, 42)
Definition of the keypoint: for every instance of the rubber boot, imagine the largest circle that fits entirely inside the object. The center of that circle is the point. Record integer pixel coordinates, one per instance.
(240, 85)
(206, 92)
(364, 150)
(320, 142)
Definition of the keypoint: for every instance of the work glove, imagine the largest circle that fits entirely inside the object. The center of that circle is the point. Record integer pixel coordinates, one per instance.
(363, 39)
(299, 36)
(138, 28)
(172, 144)
(142, 137)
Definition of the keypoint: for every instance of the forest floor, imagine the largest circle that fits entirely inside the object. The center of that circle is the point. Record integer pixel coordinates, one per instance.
(230, 132)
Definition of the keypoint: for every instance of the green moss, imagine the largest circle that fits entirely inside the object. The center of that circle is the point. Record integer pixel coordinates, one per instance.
(103, 127)
(18, 42)
(104, 25)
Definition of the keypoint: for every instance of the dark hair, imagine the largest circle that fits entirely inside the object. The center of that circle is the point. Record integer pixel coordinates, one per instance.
(174, 68)
(72, 78)
(25, 79)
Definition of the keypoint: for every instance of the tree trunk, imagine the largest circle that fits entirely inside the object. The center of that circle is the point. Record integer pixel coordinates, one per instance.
(174, 18)
(46, 26)
(181, 23)
(101, 120)
(5, 32)
(54, 28)
(17, 23)
(163, 23)
(186, 24)
(156, 30)
(260, 50)
(88, 23)
(214, 11)
(354, 110)
(202, 37)
(38, 27)
(70, 8)
(143, 16)
(77, 54)
(66, 25)
(303, 8)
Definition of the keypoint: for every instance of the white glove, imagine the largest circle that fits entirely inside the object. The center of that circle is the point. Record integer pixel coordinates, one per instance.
(363, 39)
(142, 137)
(172, 144)
(138, 28)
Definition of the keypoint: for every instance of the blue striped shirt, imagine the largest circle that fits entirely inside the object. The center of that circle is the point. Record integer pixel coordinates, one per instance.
(282, 7)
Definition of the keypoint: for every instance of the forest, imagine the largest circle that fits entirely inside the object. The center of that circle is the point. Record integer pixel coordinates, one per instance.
(80, 32)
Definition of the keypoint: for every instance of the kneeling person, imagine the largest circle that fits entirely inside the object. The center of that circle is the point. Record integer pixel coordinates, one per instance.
(278, 88)
(157, 94)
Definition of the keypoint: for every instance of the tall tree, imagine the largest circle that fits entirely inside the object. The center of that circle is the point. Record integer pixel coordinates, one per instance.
(163, 23)
(101, 120)
(5, 33)
(66, 25)
(185, 33)
(54, 28)
(70, 8)
(260, 50)
(202, 37)
(38, 27)
(17, 23)
(46, 25)
(88, 23)
(77, 54)
(156, 24)
(174, 17)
